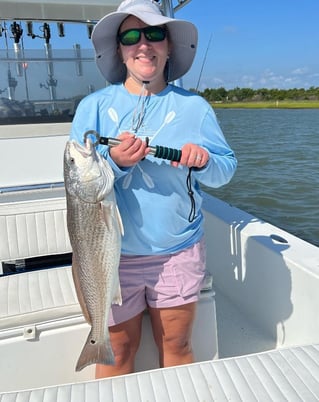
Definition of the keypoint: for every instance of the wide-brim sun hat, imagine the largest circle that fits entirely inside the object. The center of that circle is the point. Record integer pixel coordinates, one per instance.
(182, 35)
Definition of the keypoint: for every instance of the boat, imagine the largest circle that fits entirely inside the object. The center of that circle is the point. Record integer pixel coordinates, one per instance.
(256, 335)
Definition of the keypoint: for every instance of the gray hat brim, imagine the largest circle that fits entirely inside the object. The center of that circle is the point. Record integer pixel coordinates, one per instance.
(183, 38)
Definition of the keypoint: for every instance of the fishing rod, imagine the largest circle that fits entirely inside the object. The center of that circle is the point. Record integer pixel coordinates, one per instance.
(204, 62)
(157, 151)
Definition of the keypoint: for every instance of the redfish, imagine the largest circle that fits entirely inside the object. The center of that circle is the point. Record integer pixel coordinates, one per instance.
(95, 229)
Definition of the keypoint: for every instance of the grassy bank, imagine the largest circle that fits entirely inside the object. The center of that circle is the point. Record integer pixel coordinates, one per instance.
(268, 105)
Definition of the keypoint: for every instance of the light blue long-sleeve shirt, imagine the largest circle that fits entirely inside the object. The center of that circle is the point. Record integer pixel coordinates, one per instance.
(152, 196)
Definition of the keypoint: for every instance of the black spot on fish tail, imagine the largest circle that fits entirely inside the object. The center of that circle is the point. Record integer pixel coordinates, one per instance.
(95, 352)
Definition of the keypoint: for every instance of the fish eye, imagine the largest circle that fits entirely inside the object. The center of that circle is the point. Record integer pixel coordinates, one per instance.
(72, 160)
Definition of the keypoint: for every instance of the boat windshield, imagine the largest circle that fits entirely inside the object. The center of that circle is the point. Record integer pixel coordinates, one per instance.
(46, 68)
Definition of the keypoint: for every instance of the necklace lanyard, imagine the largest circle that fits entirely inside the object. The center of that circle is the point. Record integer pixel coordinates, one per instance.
(139, 111)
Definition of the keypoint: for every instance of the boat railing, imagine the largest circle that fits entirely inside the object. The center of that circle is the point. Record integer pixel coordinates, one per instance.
(47, 64)
(32, 187)
(39, 86)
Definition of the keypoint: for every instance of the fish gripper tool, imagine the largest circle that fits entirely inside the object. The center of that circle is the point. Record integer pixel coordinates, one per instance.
(157, 151)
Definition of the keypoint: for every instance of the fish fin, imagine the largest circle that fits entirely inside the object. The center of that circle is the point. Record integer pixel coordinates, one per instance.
(117, 298)
(93, 353)
(119, 220)
(106, 207)
(79, 291)
(107, 211)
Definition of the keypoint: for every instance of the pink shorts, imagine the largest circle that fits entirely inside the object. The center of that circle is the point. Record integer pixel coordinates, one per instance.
(159, 281)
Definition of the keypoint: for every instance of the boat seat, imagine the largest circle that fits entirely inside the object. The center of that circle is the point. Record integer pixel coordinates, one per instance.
(33, 224)
(34, 297)
(290, 374)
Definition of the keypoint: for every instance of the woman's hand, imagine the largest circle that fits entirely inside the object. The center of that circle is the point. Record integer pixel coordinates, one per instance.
(130, 151)
(193, 156)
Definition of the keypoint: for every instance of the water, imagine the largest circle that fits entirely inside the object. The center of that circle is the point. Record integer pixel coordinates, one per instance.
(277, 178)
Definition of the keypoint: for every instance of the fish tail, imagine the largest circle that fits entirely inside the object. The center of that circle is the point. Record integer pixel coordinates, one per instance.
(95, 352)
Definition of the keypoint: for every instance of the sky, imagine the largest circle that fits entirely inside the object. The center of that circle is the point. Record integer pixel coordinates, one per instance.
(254, 43)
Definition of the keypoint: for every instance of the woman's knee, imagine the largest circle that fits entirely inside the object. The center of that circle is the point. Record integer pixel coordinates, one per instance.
(125, 339)
(172, 328)
(179, 344)
(124, 350)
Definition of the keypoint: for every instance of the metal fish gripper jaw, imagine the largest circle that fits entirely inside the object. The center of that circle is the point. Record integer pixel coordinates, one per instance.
(92, 133)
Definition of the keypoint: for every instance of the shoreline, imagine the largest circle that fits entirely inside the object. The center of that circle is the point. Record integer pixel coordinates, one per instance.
(267, 105)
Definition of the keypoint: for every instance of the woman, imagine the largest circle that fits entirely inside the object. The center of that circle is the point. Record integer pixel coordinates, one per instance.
(139, 51)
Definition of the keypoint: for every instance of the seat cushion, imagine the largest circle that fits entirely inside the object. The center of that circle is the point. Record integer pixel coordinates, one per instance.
(34, 297)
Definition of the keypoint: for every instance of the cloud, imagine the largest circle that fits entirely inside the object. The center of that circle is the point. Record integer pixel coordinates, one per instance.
(248, 81)
(301, 77)
(300, 71)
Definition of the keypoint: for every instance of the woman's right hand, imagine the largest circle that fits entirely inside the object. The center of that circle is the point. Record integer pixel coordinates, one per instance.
(130, 151)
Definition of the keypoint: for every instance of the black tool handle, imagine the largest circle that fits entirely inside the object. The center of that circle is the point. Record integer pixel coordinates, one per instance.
(170, 154)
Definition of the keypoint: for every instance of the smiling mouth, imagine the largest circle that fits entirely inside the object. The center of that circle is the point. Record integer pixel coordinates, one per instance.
(147, 58)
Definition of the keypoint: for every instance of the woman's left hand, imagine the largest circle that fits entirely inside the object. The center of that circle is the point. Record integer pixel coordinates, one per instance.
(193, 156)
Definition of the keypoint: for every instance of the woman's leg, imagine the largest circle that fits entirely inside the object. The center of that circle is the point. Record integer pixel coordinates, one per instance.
(172, 331)
(125, 340)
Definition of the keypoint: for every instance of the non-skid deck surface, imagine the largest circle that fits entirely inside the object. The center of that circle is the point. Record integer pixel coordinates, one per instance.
(283, 375)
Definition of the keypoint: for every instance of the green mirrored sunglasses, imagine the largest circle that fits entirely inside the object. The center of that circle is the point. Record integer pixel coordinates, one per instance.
(133, 36)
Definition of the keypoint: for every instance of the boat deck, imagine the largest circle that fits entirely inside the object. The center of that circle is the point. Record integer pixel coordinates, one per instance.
(290, 374)
(237, 335)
